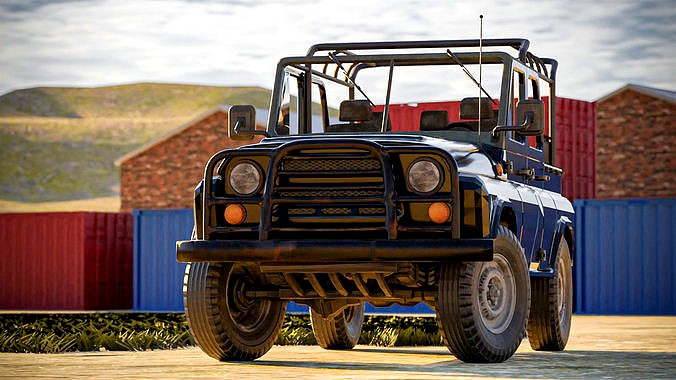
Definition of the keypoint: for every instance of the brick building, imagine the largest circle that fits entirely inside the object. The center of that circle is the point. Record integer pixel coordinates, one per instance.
(636, 143)
(163, 174)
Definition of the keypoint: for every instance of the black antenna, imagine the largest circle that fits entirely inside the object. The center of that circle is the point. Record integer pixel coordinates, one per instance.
(481, 32)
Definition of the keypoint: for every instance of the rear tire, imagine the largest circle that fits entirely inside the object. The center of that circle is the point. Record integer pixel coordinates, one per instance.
(225, 323)
(340, 332)
(482, 307)
(551, 309)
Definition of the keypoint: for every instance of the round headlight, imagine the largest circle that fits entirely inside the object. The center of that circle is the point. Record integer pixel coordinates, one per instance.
(424, 176)
(245, 178)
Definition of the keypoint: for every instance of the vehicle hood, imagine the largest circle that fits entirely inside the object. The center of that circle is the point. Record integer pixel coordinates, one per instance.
(458, 150)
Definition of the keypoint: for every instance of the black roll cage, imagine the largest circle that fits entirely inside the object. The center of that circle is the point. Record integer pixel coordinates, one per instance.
(373, 58)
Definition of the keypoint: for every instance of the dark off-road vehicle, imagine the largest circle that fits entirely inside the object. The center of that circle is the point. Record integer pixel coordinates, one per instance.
(358, 195)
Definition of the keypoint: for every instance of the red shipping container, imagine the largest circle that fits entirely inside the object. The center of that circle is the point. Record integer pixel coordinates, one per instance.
(66, 261)
(576, 146)
(575, 140)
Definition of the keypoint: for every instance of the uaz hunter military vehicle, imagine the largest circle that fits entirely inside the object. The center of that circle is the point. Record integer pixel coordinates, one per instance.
(341, 203)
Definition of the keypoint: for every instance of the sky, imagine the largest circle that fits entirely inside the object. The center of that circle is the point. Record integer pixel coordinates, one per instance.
(600, 45)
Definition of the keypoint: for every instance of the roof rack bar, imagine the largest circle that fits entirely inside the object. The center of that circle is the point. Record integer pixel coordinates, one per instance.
(519, 44)
(554, 65)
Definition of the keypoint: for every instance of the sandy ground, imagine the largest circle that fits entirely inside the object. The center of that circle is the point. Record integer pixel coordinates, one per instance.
(599, 347)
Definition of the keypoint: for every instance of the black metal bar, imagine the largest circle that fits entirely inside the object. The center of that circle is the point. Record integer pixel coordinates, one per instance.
(386, 109)
(426, 229)
(401, 59)
(232, 229)
(327, 251)
(519, 44)
(554, 64)
(314, 228)
(315, 200)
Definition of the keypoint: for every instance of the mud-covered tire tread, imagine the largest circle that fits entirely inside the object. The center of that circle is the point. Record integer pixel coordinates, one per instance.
(332, 333)
(544, 328)
(203, 312)
(457, 324)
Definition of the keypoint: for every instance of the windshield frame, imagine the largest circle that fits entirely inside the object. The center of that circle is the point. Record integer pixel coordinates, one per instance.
(305, 66)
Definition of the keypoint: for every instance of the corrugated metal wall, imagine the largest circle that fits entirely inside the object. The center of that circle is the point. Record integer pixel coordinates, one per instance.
(158, 277)
(625, 260)
(576, 146)
(66, 261)
(109, 256)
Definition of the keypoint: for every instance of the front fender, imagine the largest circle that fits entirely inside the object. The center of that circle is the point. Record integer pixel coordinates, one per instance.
(563, 230)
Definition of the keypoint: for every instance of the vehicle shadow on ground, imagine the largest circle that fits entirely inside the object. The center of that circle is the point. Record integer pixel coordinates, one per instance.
(553, 365)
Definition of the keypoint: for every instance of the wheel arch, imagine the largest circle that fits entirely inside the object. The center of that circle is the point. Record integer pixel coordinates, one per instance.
(564, 230)
(504, 215)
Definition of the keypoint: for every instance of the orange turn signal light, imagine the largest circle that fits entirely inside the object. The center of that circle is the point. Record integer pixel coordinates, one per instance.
(235, 214)
(499, 169)
(439, 212)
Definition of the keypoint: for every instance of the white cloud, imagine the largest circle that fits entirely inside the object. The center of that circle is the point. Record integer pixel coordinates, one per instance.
(600, 45)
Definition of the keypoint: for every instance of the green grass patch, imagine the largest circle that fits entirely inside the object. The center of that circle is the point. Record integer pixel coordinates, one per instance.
(52, 333)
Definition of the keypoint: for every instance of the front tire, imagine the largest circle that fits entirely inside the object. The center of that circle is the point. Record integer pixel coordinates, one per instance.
(482, 307)
(551, 310)
(226, 324)
(340, 332)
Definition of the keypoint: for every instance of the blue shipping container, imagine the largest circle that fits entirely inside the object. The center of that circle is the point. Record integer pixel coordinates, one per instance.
(624, 260)
(158, 277)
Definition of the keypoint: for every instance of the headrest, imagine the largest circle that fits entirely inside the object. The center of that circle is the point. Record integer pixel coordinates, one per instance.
(433, 120)
(355, 110)
(469, 109)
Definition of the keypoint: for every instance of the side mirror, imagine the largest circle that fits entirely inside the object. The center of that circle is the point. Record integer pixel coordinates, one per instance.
(532, 110)
(530, 115)
(242, 122)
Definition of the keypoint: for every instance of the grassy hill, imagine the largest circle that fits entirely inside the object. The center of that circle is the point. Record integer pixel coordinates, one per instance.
(59, 144)
(133, 100)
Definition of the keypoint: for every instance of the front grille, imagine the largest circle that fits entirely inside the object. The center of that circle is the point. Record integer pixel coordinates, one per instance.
(335, 191)
(313, 164)
(330, 193)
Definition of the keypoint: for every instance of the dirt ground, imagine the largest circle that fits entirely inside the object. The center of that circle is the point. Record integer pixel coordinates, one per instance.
(599, 347)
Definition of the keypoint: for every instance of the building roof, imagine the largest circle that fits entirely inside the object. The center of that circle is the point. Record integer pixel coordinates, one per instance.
(169, 134)
(669, 96)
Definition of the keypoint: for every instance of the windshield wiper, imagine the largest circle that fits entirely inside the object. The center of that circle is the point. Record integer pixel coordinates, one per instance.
(347, 77)
(455, 58)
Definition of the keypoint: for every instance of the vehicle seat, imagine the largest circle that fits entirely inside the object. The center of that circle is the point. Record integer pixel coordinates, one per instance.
(433, 120)
(359, 117)
(469, 115)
